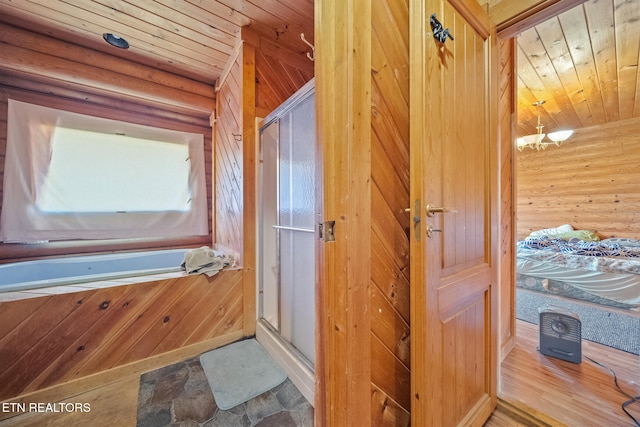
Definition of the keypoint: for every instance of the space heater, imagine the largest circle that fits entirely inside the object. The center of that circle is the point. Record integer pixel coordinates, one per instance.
(560, 334)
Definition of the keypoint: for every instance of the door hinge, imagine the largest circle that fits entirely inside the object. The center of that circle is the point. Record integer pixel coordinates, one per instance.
(326, 231)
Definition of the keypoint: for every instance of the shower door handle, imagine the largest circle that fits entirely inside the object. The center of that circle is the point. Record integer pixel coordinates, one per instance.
(326, 231)
(284, 227)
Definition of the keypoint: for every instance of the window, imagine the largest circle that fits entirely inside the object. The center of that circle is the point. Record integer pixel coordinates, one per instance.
(72, 176)
(99, 172)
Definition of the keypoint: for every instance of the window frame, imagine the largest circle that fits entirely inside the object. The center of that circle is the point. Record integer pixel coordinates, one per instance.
(133, 114)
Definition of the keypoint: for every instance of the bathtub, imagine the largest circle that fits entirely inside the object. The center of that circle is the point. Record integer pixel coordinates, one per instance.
(88, 268)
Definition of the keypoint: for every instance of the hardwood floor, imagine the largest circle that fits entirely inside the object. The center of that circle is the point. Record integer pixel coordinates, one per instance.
(573, 394)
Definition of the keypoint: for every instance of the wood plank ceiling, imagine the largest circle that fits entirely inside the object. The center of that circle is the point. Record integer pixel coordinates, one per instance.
(192, 38)
(584, 64)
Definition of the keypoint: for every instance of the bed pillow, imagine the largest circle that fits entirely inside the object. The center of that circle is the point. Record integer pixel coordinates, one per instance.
(633, 243)
(586, 235)
(552, 232)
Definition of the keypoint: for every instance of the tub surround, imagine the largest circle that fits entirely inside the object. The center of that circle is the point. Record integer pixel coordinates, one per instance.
(47, 339)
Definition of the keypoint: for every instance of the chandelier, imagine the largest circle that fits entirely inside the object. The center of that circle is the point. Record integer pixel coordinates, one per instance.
(536, 142)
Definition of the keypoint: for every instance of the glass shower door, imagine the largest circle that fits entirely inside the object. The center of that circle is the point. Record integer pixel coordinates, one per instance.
(288, 226)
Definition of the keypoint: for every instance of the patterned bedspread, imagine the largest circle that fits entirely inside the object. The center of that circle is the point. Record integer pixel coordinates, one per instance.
(581, 255)
(580, 269)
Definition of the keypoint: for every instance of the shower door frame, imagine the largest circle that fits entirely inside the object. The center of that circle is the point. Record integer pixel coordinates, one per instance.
(274, 118)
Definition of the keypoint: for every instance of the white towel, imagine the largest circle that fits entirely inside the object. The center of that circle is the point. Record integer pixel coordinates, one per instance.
(202, 260)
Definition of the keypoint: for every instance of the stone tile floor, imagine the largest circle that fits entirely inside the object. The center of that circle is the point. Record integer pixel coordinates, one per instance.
(179, 396)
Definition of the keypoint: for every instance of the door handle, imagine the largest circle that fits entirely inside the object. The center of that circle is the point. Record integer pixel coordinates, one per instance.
(431, 210)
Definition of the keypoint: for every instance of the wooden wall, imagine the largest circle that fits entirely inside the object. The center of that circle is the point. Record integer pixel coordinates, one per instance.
(278, 75)
(506, 109)
(344, 97)
(52, 339)
(364, 133)
(389, 297)
(228, 161)
(48, 72)
(590, 182)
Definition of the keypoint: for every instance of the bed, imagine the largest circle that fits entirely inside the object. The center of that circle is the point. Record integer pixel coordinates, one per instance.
(578, 265)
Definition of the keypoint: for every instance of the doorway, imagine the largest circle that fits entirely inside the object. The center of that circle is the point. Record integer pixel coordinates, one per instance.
(559, 112)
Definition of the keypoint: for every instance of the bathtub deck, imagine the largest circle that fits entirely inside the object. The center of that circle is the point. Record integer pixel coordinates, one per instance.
(65, 289)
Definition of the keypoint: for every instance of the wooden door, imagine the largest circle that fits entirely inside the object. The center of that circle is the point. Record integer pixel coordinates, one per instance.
(453, 272)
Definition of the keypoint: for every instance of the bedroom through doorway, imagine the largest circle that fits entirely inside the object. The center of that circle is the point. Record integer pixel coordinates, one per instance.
(573, 72)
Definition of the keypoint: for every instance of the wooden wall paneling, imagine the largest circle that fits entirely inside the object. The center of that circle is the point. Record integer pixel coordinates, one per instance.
(87, 335)
(228, 162)
(29, 88)
(249, 184)
(60, 338)
(49, 46)
(506, 110)
(277, 78)
(390, 223)
(391, 414)
(588, 182)
(343, 100)
(63, 349)
(150, 302)
(391, 279)
(392, 331)
(389, 373)
(19, 60)
(272, 86)
(287, 56)
(228, 314)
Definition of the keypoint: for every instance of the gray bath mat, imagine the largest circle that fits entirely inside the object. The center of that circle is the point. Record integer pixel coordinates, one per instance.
(239, 372)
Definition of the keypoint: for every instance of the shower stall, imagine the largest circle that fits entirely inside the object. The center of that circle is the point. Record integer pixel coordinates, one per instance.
(287, 237)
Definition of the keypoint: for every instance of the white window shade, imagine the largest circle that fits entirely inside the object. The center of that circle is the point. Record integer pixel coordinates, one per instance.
(72, 176)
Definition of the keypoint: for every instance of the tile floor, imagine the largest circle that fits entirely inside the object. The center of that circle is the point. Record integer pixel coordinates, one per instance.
(179, 395)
